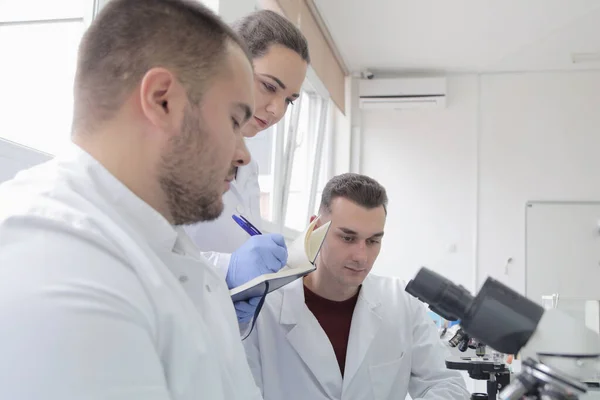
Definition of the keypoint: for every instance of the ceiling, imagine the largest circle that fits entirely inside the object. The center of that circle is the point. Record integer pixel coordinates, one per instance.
(463, 35)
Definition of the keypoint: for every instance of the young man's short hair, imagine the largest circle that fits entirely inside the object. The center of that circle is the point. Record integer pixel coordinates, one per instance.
(360, 189)
(129, 37)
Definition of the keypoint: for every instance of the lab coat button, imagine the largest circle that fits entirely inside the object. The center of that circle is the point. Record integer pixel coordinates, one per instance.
(208, 288)
(240, 209)
(183, 279)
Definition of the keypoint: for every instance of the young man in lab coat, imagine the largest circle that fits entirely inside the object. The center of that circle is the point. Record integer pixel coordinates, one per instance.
(102, 294)
(344, 333)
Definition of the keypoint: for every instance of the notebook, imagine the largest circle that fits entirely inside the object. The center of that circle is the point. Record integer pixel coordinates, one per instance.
(302, 254)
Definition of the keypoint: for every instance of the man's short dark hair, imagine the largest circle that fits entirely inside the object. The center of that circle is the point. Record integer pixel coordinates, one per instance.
(129, 37)
(262, 29)
(360, 189)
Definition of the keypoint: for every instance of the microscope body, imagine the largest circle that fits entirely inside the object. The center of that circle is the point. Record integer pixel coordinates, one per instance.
(558, 353)
(559, 358)
(563, 344)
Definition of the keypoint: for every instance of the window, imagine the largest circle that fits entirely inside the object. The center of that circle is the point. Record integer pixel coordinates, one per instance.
(38, 43)
(325, 166)
(306, 162)
(299, 180)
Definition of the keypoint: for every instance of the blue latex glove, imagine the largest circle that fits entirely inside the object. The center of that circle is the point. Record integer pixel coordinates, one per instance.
(261, 254)
(245, 309)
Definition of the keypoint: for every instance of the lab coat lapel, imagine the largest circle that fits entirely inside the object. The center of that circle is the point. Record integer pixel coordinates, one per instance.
(366, 321)
(310, 341)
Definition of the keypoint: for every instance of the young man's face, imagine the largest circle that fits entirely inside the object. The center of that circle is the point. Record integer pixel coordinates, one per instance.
(352, 244)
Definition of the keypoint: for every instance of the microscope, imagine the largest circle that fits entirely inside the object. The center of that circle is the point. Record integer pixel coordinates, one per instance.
(559, 354)
(483, 366)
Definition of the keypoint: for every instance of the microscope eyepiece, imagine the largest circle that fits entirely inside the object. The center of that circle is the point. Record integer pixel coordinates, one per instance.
(444, 297)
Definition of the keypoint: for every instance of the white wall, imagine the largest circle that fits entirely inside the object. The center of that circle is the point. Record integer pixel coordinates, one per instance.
(458, 179)
(426, 161)
(540, 140)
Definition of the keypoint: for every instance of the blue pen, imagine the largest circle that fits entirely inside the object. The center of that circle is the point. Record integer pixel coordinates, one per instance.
(254, 228)
(246, 225)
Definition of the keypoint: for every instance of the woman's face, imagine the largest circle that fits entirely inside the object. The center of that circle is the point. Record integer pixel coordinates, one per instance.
(278, 76)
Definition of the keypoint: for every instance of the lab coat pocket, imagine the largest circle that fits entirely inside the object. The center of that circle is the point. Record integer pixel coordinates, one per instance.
(388, 376)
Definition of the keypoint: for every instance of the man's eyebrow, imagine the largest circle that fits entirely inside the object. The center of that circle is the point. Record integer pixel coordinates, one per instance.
(351, 232)
(246, 109)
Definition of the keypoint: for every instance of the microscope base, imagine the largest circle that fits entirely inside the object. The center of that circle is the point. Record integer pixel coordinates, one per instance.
(482, 368)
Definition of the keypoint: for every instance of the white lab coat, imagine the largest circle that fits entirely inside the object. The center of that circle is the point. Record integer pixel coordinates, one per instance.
(393, 348)
(219, 238)
(101, 298)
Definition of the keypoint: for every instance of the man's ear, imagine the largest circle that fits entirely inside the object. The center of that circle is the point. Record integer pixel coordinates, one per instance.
(162, 100)
(319, 222)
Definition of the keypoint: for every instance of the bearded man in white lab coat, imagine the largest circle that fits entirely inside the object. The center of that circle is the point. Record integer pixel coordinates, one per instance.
(344, 333)
(102, 294)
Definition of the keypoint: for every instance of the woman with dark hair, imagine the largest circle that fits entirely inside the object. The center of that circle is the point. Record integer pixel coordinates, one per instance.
(280, 56)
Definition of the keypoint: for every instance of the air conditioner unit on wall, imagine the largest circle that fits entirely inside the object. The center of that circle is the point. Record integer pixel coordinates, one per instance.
(402, 93)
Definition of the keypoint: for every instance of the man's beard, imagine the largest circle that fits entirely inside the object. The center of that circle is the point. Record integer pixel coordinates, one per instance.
(188, 177)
